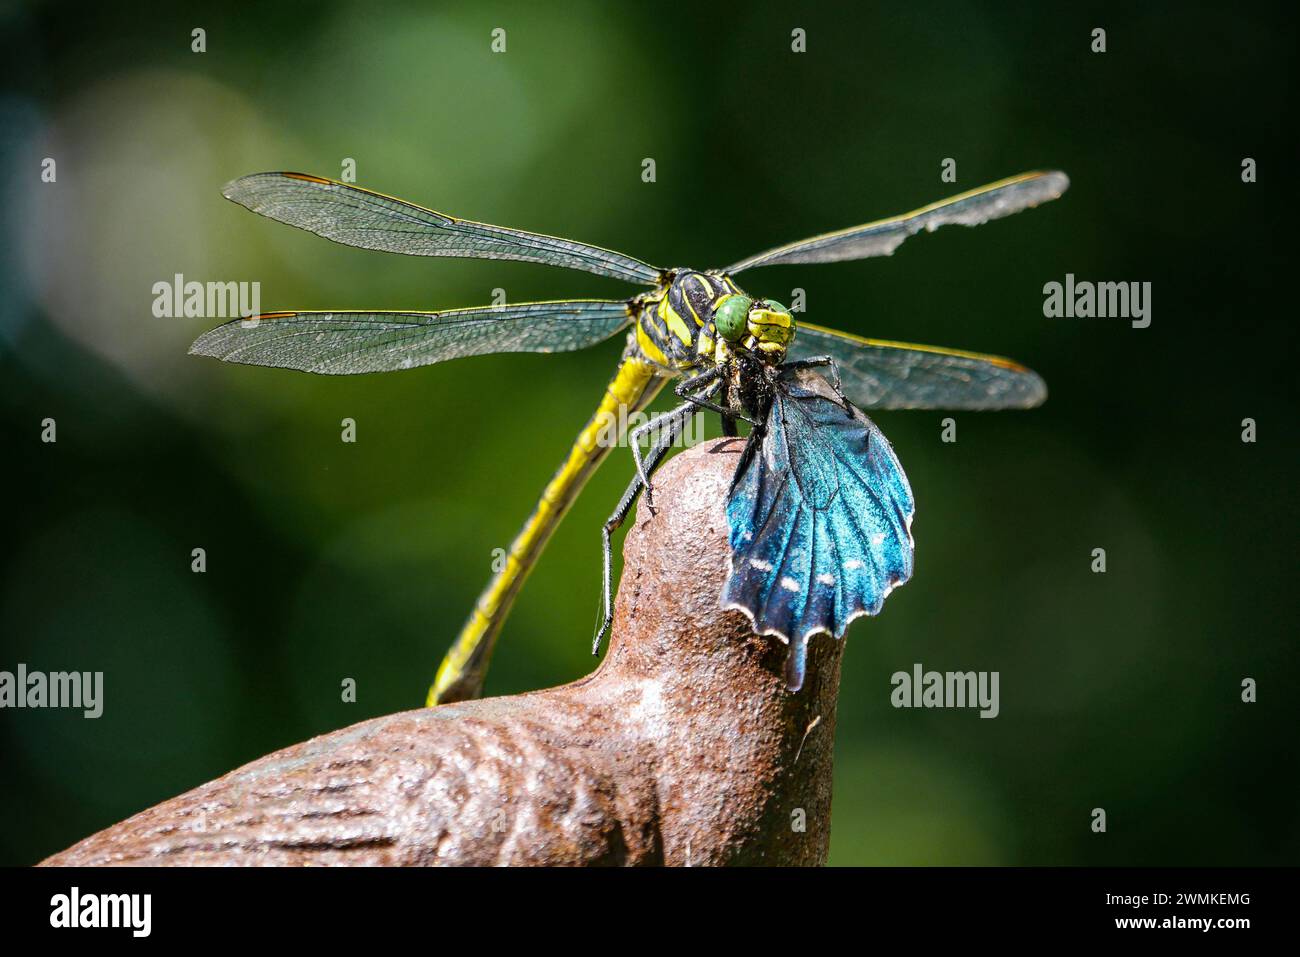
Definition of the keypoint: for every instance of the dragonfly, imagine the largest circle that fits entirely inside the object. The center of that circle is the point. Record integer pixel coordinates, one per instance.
(741, 356)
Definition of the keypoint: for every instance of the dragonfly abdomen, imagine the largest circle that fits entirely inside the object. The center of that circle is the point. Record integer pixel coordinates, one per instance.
(460, 677)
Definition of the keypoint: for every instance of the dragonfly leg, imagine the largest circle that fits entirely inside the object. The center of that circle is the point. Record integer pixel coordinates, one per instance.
(612, 524)
(701, 399)
(813, 362)
(695, 382)
(728, 421)
(667, 419)
(664, 423)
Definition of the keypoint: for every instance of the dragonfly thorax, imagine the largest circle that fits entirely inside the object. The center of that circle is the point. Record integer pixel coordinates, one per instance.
(704, 318)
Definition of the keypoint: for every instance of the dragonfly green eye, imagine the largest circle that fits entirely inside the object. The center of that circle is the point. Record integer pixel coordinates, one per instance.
(729, 316)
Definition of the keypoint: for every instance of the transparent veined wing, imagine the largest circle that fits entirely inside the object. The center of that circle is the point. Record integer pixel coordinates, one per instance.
(819, 519)
(345, 343)
(882, 237)
(879, 374)
(358, 217)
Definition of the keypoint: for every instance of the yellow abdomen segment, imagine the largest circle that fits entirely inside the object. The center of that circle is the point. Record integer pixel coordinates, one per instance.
(462, 671)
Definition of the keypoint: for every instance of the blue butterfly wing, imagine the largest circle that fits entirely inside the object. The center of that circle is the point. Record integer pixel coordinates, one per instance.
(820, 517)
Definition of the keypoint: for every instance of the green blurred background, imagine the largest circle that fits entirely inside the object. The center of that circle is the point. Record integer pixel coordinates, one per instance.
(328, 560)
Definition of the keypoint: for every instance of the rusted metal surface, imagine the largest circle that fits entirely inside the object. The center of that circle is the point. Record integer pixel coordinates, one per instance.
(683, 747)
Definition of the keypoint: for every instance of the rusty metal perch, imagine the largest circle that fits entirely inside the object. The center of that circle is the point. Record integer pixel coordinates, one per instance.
(683, 747)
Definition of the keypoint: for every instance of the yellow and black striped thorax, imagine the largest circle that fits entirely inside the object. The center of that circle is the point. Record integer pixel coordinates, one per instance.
(675, 327)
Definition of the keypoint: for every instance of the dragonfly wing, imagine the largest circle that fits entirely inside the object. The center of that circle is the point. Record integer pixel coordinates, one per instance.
(882, 237)
(344, 343)
(358, 217)
(879, 374)
(820, 519)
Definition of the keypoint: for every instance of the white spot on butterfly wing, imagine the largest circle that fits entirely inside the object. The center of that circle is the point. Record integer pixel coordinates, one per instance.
(826, 578)
(761, 565)
(852, 564)
(877, 538)
(789, 584)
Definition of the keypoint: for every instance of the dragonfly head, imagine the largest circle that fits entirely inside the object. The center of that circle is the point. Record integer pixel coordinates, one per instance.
(760, 326)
